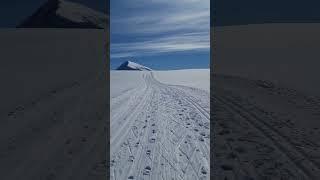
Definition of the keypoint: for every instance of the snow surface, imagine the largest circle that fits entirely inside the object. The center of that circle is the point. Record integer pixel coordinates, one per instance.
(53, 104)
(158, 131)
(266, 101)
(284, 53)
(29, 71)
(198, 78)
(133, 79)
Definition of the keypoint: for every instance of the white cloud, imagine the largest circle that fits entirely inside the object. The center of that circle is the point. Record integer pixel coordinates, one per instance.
(165, 26)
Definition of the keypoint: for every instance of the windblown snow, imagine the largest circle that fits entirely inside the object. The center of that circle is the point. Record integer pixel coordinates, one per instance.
(159, 131)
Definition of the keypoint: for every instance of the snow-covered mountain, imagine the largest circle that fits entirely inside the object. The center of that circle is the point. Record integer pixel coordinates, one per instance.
(65, 14)
(129, 65)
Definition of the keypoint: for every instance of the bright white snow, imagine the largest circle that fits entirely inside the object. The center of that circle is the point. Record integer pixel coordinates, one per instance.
(198, 78)
(159, 131)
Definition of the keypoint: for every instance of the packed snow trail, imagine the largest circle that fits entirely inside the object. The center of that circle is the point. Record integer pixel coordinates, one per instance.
(160, 131)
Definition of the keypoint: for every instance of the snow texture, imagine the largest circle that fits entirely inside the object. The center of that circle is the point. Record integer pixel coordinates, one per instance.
(158, 131)
(266, 101)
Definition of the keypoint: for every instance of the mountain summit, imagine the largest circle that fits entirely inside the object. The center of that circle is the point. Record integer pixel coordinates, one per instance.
(129, 65)
(65, 14)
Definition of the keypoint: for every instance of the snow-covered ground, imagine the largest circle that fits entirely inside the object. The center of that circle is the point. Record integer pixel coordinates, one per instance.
(198, 78)
(266, 101)
(159, 131)
(284, 53)
(53, 108)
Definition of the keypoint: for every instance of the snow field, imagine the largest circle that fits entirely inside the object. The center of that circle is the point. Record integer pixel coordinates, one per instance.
(158, 131)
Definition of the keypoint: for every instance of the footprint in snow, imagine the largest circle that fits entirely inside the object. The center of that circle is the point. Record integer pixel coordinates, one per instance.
(136, 144)
(147, 170)
(131, 158)
(203, 170)
(152, 140)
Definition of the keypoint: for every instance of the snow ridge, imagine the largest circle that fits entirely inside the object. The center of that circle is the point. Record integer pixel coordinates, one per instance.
(65, 14)
(129, 65)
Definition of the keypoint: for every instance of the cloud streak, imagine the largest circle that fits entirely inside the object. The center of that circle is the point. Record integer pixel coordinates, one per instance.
(159, 26)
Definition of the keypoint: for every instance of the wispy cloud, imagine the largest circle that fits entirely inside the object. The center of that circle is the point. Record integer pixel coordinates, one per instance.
(145, 27)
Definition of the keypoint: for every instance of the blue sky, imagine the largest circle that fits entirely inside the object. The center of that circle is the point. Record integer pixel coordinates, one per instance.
(162, 34)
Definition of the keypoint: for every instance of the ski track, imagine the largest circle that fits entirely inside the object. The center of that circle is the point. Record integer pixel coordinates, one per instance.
(297, 156)
(254, 130)
(160, 132)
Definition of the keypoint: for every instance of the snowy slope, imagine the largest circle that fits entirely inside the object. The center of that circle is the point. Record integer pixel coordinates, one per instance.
(158, 131)
(198, 78)
(266, 101)
(66, 14)
(284, 53)
(133, 79)
(129, 65)
(53, 104)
